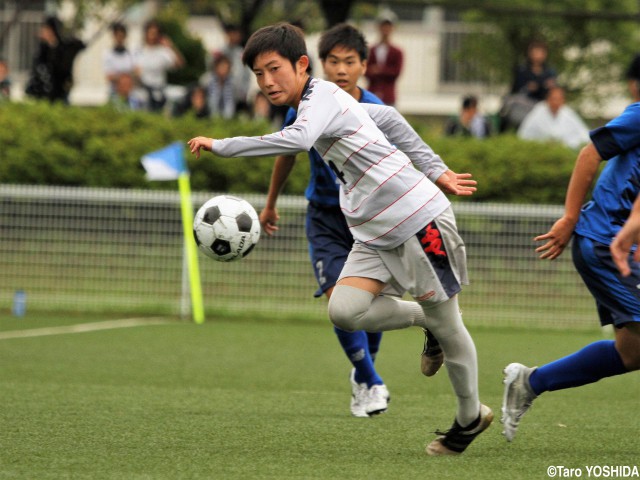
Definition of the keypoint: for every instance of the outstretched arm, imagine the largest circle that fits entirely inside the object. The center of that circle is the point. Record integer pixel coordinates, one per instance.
(581, 179)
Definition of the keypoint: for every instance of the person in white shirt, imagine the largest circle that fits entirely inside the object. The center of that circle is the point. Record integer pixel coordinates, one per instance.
(118, 60)
(404, 229)
(553, 120)
(157, 56)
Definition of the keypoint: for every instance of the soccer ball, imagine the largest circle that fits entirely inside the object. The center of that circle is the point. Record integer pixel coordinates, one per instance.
(226, 228)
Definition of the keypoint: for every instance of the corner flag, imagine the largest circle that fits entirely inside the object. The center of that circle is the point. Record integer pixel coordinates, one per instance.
(169, 164)
(165, 164)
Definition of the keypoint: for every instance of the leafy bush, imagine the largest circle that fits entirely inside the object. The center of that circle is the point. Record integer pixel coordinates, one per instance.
(57, 145)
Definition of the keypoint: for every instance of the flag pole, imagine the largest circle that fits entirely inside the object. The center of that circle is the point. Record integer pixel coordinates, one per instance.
(195, 287)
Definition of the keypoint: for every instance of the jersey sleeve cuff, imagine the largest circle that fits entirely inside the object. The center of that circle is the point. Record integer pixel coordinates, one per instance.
(605, 143)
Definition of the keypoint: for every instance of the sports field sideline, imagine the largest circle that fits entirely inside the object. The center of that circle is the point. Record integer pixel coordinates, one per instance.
(240, 399)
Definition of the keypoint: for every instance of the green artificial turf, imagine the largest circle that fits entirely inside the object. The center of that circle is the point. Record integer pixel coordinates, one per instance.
(244, 399)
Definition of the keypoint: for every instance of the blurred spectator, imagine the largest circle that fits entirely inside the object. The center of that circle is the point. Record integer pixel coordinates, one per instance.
(241, 73)
(261, 107)
(220, 84)
(5, 81)
(531, 82)
(553, 120)
(194, 102)
(157, 56)
(52, 71)
(633, 77)
(117, 60)
(124, 97)
(535, 77)
(385, 64)
(470, 123)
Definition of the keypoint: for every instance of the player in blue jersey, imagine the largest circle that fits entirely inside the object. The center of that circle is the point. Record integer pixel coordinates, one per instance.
(343, 54)
(594, 227)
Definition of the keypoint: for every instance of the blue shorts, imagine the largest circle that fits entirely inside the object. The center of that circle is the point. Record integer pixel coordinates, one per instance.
(330, 242)
(617, 297)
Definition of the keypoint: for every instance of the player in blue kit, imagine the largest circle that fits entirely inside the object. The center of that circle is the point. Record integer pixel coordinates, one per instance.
(343, 54)
(594, 227)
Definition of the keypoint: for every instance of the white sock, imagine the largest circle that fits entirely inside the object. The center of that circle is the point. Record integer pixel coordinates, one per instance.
(445, 322)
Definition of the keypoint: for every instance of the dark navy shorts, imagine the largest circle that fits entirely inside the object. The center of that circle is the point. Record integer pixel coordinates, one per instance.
(330, 242)
(617, 297)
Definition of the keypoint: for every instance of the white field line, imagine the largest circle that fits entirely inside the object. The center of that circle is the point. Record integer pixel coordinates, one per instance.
(83, 327)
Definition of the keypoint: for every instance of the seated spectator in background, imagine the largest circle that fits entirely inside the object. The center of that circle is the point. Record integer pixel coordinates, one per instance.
(117, 60)
(152, 61)
(125, 98)
(470, 123)
(5, 81)
(194, 102)
(553, 120)
(220, 87)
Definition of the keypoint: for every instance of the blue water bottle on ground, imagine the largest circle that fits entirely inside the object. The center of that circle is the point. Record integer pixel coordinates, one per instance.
(19, 303)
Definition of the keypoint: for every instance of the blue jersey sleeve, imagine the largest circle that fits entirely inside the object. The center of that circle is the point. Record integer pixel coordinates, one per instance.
(619, 135)
(290, 117)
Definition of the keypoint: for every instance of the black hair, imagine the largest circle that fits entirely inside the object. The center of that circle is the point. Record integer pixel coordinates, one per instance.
(469, 101)
(281, 38)
(55, 25)
(118, 27)
(342, 35)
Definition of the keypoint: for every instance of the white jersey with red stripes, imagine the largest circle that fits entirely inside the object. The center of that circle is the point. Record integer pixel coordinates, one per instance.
(385, 200)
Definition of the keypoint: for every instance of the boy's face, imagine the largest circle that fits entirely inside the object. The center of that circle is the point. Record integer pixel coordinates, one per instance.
(280, 82)
(344, 67)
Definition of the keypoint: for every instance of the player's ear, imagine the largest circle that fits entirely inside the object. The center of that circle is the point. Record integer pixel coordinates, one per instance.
(303, 63)
(364, 67)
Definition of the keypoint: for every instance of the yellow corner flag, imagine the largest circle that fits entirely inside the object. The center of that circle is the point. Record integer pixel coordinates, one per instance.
(168, 164)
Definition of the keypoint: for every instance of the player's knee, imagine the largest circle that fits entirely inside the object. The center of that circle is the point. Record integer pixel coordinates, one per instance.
(630, 359)
(346, 310)
(628, 346)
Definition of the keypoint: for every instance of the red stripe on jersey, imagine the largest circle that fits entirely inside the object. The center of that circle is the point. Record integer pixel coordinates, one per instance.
(377, 188)
(372, 165)
(345, 111)
(332, 144)
(355, 131)
(392, 229)
(357, 151)
(393, 203)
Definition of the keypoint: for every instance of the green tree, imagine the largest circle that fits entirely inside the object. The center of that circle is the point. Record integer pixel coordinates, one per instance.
(590, 42)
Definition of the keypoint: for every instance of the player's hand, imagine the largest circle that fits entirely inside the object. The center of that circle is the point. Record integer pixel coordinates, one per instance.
(197, 143)
(268, 219)
(557, 239)
(621, 246)
(456, 183)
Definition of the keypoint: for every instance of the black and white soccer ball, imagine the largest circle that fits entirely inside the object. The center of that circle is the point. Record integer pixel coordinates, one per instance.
(226, 228)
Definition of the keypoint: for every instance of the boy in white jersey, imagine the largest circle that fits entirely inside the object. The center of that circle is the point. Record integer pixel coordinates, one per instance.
(401, 221)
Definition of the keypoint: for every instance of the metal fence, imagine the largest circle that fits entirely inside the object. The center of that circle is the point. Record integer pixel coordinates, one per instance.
(121, 252)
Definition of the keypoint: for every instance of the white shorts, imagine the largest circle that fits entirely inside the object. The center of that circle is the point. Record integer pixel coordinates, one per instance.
(431, 265)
